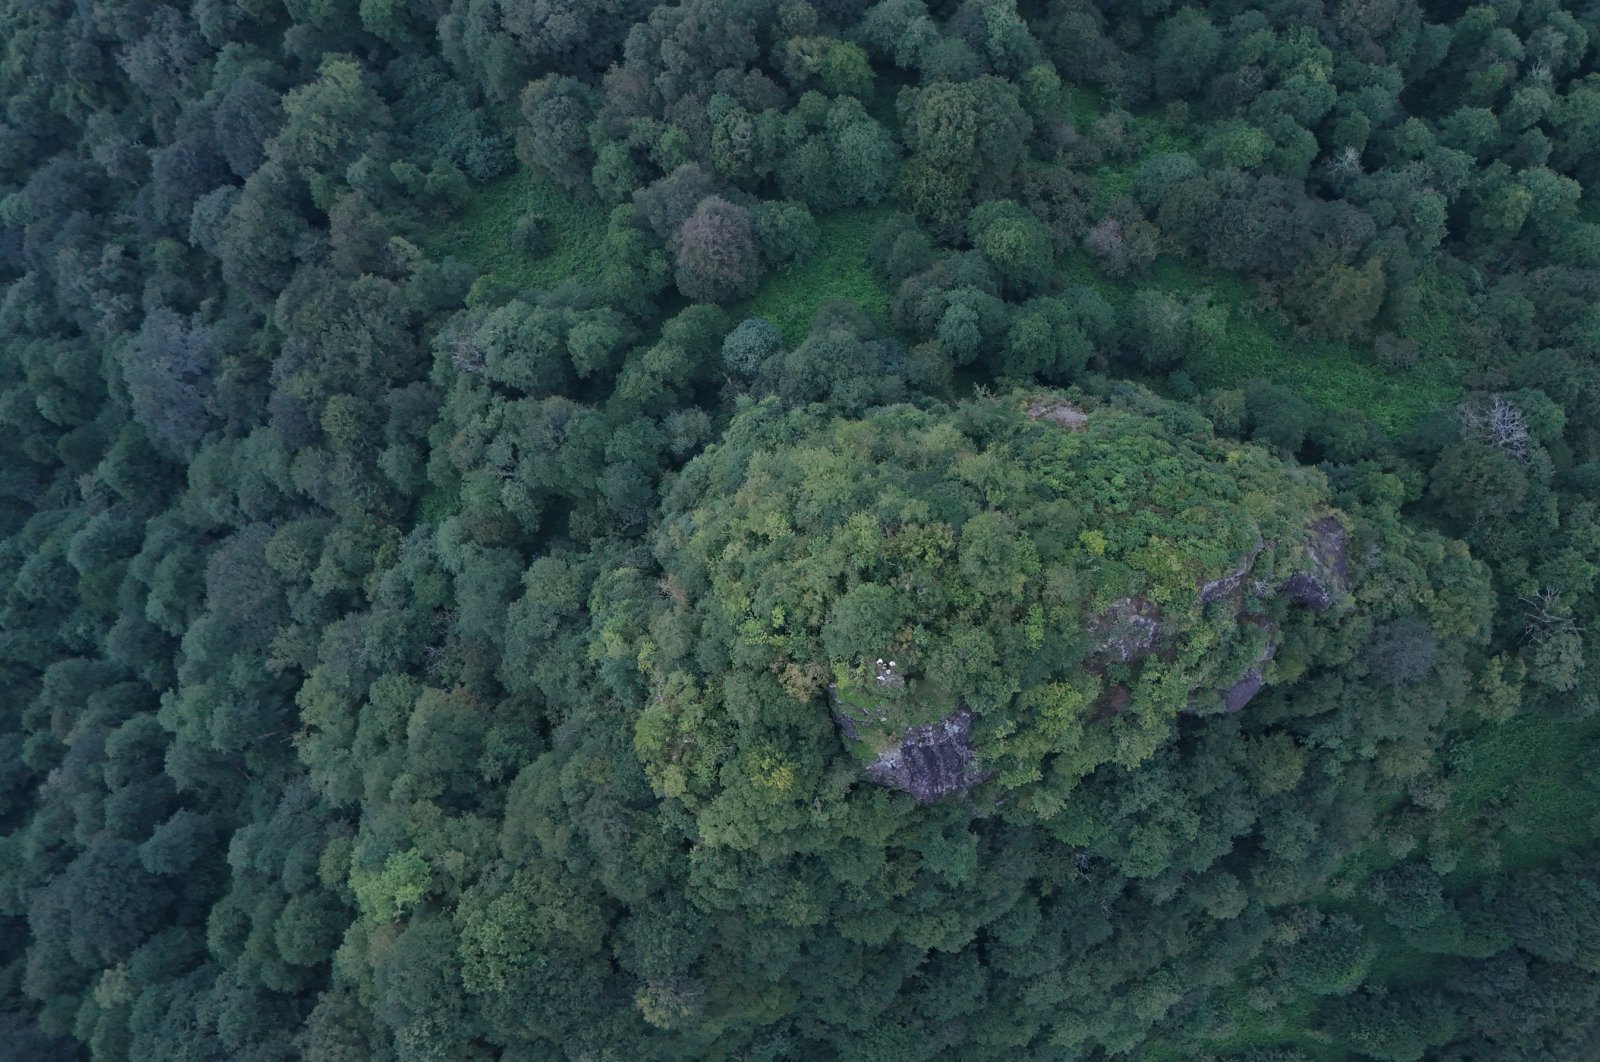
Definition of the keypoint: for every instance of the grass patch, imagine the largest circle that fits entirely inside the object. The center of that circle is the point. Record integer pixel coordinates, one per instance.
(481, 234)
(1437, 302)
(881, 716)
(837, 269)
(1117, 181)
(1543, 773)
(1330, 375)
(1289, 1026)
(1084, 106)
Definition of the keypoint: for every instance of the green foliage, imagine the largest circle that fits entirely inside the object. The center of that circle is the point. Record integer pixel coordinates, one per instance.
(957, 132)
(433, 629)
(1015, 242)
(484, 235)
(388, 893)
(837, 270)
(750, 345)
(979, 512)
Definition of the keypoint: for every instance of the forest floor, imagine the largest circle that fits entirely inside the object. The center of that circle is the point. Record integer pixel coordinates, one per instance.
(837, 269)
(481, 234)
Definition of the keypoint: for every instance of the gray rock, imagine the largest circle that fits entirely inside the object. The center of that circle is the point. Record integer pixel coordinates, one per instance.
(1128, 629)
(1240, 693)
(1064, 414)
(1227, 585)
(1327, 572)
(1254, 680)
(931, 761)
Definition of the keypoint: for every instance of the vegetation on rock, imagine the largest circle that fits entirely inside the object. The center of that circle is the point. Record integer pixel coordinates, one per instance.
(771, 529)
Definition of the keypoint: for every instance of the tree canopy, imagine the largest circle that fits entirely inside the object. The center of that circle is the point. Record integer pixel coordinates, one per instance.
(799, 529)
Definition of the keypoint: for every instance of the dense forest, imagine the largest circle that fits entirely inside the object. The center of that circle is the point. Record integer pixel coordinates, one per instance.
(767, 529)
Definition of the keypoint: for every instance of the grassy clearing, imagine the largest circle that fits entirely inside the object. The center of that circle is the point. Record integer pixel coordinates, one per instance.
(837, 269)
(1437, 303)
(1085, 106)
(1255, 345)
(1541, 771)
(482, 234)
(1329, 375)
(1287, 1027)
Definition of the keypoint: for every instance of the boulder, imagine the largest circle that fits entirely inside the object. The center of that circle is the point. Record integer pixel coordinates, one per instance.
(1326, 574)
(1254, 680)
(1064, 414)
(1128, 629)
(1240, 693)
(1227, 585)
(931, 761)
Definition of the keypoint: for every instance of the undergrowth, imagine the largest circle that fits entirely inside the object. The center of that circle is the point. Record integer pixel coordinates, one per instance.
(482, 234)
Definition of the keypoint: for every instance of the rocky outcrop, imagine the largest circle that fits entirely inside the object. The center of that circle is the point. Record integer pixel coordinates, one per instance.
(1254, 680)
(1227, 585)
(1326, 574)
(1064, 414)
(935, 759)
(1242, 692)
(1316, 586)
(1239, 694)
(929, 761)
(1128, 629)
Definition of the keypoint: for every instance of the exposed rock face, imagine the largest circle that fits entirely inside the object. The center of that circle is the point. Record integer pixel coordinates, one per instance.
(1128, 629)
(1227, 585)
(1254, 680)
(1065, 414)
(1240, 693)
(1327, 574)
(931, 761)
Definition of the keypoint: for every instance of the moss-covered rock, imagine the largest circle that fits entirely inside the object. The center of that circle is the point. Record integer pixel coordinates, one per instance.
(1063, 587)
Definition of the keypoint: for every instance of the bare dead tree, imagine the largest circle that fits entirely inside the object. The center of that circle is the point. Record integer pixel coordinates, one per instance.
(1496, 423)
(1347, 163)
(1545, 615)
(468, 348)
(465, 355)
(1104, 241)
(444, 622)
